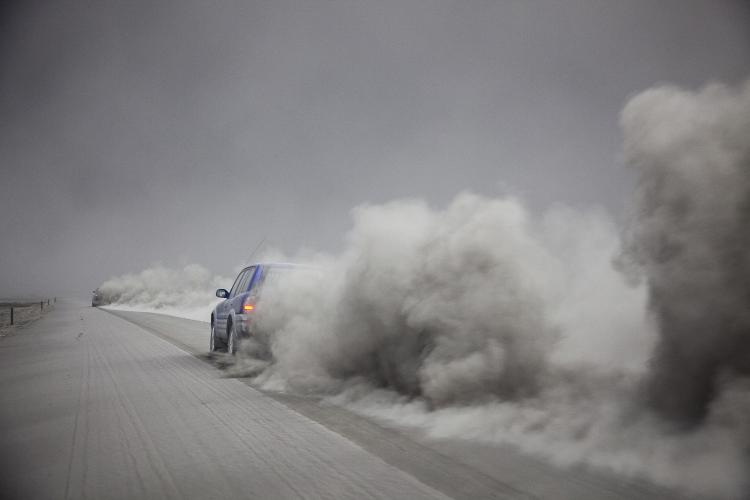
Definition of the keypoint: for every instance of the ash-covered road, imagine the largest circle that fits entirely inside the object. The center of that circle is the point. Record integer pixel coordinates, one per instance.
(95, 404)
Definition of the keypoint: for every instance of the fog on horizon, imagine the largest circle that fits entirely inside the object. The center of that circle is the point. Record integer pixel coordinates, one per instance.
(140, 132)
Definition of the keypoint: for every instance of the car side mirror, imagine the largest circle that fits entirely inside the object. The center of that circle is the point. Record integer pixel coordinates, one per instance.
(222, 294)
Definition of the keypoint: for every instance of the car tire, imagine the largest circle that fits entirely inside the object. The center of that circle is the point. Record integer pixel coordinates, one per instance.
(231, 340)
(214, 343)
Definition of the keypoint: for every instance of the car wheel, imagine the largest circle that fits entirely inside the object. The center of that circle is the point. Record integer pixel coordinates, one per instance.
(231, 341)
(215, 344)
(212, 340)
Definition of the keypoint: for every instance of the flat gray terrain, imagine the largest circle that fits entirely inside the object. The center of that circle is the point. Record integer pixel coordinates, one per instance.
(95, 404)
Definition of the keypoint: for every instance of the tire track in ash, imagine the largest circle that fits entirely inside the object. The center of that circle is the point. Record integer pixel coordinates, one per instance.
(452, 478)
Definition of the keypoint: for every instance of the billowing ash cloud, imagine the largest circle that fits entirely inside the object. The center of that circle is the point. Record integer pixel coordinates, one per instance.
(691, 238)
(187, 291)
(468, 304)
(481, 321)
(428, 303)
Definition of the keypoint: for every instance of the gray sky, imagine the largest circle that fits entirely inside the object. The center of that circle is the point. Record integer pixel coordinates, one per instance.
(139, 132)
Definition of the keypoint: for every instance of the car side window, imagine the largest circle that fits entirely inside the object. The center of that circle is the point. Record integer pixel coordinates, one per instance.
(258, 282)
(245, 280)
(236, 285)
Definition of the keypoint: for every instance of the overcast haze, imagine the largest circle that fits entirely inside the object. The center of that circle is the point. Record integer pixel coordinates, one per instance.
(143, 132)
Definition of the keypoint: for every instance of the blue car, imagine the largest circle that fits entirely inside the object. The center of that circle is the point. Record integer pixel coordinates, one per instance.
(232, 319)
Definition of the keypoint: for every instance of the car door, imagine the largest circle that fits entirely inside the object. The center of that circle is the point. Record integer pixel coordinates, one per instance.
(255, 283)
(224, 307)
(236, 296)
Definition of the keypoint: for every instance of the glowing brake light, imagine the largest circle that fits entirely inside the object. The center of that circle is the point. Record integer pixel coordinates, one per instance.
(248, 307)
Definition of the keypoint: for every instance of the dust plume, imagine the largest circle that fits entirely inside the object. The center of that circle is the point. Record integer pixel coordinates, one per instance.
(690, 239)
(482, 321)
(186, 292)
(472, 303)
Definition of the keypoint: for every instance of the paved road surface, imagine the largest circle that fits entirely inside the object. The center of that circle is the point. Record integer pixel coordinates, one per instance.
(100, 405)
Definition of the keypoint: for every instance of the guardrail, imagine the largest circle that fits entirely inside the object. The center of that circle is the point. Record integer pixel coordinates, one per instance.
(19, 313)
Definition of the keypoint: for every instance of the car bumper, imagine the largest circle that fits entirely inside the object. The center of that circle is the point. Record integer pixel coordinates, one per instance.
(243, 325)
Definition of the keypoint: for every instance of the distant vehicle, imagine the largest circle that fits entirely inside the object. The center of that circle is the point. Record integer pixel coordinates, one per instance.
(96, 299)
(232, 319)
